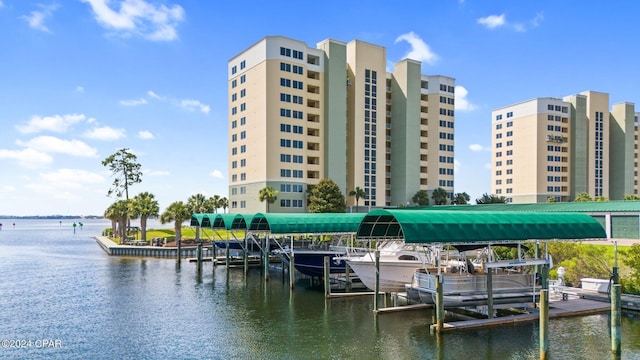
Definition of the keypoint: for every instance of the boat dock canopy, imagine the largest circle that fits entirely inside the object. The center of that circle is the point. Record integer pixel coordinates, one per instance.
(591, 207)
(221, 221)
(278, 223)
(460, 227)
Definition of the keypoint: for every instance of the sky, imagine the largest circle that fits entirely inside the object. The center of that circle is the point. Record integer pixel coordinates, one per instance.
(80, 79)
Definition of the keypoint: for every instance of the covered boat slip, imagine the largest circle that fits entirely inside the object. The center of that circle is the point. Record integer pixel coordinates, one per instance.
(499, 280)
(301, 239)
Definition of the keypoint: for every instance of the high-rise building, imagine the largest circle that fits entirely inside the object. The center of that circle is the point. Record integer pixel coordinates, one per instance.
(558, 148)
(299, 114)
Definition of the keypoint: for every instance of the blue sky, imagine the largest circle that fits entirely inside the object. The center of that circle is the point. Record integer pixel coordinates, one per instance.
(80, 79)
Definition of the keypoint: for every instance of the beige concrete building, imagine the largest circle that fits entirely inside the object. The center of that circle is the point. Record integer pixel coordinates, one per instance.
(558, 148)
(299, 114)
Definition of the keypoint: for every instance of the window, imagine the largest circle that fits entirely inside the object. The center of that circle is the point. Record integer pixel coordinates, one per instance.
(243, 78)
(243, 135)
(243, 149)
(510, 114)
(243, 176)
(509, 123)
(243, 64)
(243, 93)
(243, 121)
(234, 70)
(234, 83)
(234, 97)
(499, 117)
(243, 162)
(234, 124)
(243, 107)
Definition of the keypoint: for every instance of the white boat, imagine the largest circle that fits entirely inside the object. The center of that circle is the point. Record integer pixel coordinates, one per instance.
(398, 262)
(467, 285)
(467, 289)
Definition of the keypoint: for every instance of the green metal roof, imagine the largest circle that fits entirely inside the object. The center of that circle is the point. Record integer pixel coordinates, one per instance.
(203, 220)
(240, 221)
(224, 221)
(632, 206)
(278, 223)
(459, 227)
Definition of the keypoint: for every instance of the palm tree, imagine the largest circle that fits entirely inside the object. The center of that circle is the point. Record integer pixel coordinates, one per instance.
(461, 198)
(268, 194)
(178, 212)
(583, 196)
(215, 202)
(224, 204)
(112, 215)
(198, 204)
(118, 212)
(358, 193)
(145, 206)
(421, 198)
(440, 196)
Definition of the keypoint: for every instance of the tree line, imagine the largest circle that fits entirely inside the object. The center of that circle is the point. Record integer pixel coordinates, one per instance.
(126, 172)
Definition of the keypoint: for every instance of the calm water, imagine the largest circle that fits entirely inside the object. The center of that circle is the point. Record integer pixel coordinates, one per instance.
(61, 287)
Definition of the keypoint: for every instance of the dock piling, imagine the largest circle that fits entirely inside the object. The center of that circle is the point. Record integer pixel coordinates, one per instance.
(327, 272)
(544, 324)
(377, 286)
(616, 320)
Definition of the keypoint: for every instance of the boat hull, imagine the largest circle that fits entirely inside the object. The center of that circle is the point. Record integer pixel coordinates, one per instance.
(393, 275)
(311, 262)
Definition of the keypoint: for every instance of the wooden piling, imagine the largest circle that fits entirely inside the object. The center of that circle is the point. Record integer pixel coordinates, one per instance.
(490, 293)
(292, 269)
(544, 324)
(377, 285)
(199, 258)
(327, 272)
(616, 320)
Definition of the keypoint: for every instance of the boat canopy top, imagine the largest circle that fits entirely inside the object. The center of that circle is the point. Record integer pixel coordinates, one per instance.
(278, 223)
(466, 227)
(221, 221)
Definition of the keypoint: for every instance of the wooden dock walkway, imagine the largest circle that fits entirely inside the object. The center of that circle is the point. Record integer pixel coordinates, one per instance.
(557, 309)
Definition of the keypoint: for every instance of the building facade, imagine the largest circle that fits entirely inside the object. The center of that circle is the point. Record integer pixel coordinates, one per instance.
(558, 148)
(299, 114)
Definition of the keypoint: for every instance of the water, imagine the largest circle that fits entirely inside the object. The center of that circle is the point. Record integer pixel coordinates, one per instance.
(60, 287)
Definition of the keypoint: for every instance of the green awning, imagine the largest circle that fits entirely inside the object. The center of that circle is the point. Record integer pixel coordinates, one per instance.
(240, 221)
(278, 223)
(224, 221)
(459, 227)
(202, 220)
(626, 206)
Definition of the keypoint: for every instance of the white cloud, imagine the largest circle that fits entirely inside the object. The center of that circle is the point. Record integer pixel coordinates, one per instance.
(51, 144)
(193, 105)
(462, 103)
(65, 183)
(492, 21)
(1, 4)
(28, 158)
(456, 166)
(145, 135)
(8, 188)
(135, 102)
(217, 174)
(154, 95)
(79, 89)
(55, 123)
(36, 18)
(139, 17)
(495, 21)
(71, 178)
(420, 51)
(478, 147)
(105, 133)
(186, 104)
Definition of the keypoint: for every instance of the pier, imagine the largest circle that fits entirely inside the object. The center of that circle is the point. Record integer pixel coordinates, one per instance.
(112, 248)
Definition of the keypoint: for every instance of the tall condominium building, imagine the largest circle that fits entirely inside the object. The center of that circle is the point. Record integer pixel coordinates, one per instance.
(558, 148)
(299, 114)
